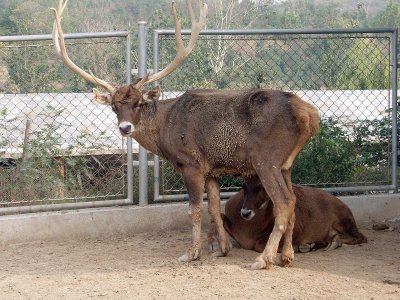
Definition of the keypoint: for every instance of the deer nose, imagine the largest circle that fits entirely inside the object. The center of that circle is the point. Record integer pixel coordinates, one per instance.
(246, 213)
(125, 127)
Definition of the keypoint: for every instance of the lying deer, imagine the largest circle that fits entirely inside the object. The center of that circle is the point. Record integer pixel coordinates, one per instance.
(322, 220)
(209, 133)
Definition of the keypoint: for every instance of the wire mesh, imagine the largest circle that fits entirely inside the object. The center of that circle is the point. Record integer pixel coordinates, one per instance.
(55, 145)
(346, 76)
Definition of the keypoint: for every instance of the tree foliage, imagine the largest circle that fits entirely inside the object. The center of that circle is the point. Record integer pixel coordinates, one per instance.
(34, 17)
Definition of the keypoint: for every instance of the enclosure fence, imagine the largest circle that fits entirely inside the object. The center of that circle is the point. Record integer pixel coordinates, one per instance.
(349, 75)
(58, 150)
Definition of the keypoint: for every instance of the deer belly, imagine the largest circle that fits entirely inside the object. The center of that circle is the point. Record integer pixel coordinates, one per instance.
(226, 149)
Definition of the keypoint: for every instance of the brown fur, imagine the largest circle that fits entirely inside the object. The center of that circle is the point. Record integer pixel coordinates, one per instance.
(320, 218)
(209, 133)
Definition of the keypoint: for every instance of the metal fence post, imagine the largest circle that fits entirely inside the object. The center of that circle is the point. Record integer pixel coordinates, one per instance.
(142, 70)
(156, 159)
(129, 140)
(394, 110)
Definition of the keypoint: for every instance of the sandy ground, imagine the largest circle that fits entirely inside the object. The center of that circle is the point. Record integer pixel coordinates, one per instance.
(145, 266)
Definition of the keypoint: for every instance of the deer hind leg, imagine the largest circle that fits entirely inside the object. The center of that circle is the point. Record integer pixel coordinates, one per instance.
(307, 120)
(194, 182)
(335, 241)
(214, 209)
(283, 200)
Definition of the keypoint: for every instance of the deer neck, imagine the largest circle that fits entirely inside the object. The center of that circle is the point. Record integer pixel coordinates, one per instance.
(147, 131)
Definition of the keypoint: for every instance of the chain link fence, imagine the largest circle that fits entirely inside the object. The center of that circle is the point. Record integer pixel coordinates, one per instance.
(55, 145)
(346, 75)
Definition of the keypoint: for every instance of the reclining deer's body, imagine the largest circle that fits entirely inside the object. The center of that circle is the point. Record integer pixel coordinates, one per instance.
(322, 220)
(209, 133)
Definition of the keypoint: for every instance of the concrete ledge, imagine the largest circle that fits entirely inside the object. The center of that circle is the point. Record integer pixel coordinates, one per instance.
(92, 222)
(105, 222)
(368, 208)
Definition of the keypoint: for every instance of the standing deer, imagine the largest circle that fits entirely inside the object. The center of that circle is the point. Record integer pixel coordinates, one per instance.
(209, 133)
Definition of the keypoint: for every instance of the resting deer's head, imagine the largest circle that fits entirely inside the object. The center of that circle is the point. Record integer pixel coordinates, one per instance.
(127, 101)
(255, 198)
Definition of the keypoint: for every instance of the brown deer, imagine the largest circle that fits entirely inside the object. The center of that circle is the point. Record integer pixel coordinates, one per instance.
(322, 220)
(209, 133)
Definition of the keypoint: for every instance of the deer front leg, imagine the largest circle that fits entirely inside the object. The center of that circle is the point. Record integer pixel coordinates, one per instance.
(214, 209)
(194, 182)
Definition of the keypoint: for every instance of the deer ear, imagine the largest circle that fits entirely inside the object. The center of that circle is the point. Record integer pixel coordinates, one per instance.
(259, 97)
(101, 98)
(152, 95)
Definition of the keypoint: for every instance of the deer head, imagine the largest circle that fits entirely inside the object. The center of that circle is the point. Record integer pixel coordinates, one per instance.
(255, 198)
(127, 101)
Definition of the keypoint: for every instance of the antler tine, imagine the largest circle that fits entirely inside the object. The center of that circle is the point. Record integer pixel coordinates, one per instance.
(181, 51)
(60, 10)
(197, 26)
(140, 84)
(59, 44)
(178, 28)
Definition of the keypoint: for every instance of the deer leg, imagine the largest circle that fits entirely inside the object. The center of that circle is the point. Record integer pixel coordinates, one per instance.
(194, 182)
(283, 201)
(212, 237)
(214, 209)
(335, 243)
(287, 253)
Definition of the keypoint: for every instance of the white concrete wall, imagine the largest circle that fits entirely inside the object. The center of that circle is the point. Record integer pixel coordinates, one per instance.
(105, 222)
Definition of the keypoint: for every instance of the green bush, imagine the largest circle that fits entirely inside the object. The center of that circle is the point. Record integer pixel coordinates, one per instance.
(329, 157)
(372, 138)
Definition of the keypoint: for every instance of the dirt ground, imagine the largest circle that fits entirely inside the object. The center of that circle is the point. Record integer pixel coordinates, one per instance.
(145, 266)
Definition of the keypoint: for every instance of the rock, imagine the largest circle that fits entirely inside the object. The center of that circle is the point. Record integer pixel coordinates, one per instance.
(380, 226)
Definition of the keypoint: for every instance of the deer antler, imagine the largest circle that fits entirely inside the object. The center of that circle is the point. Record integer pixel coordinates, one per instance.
(59, 44)
(181, 51)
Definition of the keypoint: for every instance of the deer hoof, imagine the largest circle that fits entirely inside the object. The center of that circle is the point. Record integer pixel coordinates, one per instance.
(190, 255)
(225, 247)
(305, 248)
(213, 246)
(260, 264)
(219, 249)
(183, 258)
(218, 254)
(286, 261)
(336, 243)
(287, 258)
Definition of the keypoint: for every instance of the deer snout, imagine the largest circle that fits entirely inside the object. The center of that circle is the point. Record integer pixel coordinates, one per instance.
(126, 128)
(247, 214)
